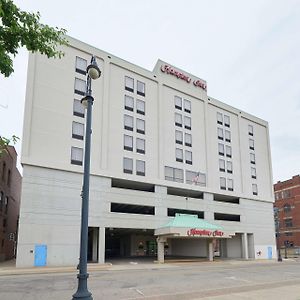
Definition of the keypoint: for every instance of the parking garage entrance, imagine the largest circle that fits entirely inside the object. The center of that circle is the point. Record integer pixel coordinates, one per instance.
(129, 242)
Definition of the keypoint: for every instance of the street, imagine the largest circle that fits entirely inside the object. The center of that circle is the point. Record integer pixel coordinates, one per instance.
(219, 280)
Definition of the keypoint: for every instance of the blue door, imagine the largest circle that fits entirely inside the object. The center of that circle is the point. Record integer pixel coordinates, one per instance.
(40, 255)
(270, 253)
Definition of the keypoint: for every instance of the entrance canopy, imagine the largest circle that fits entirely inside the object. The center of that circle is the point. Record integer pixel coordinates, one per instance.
(191, 226)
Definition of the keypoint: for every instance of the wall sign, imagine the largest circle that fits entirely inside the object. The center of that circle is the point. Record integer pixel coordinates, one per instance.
(204, 232)
(172, 71)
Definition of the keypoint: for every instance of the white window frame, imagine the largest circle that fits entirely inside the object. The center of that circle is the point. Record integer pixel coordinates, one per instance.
(222, 165)
(128, 103)
(128, 122)
(219, 118)
(80, 65)
(141, 88)
(140, 107)
(79, 86)
(226, 121)
(178, 137)
(227, 136)
(128, 142)
(140, 146)
(187, 106)
(254, 189)
(178, 120)
(179, 154)
(252, 158)
(129, 84)
(222, 183)
(187, 123)
(78, 108)
(229, 184)
(220, 133)
(221, 149)
(77, 130)
(253, 172)
(250, 130)
(76, 156)
(140, 167)
(229, 167)
(251, 144)
(140, 126)
(178, 102)
(188, 157)
(228, 150)
(127, 165)
(188, 139)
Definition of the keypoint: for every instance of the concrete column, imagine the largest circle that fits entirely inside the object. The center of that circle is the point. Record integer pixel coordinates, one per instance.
(245, 246)
(160, 250)
(101, 259)
(95, 244)
(210, 250)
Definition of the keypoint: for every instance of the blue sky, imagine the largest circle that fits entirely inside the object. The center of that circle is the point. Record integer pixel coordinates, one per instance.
(247, 51)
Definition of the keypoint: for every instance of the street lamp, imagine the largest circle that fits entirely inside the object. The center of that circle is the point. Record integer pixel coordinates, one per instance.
(276, 215)
(82, 290)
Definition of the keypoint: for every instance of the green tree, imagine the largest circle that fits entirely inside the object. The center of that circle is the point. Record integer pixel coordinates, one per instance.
(23, 29)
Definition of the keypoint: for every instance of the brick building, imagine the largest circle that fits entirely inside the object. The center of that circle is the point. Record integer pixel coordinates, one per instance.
(10, 189)
(287, 200)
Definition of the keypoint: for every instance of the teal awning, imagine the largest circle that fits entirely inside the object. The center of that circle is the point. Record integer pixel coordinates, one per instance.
(190, 221)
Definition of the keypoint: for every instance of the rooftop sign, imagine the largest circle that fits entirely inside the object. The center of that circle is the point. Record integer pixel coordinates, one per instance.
(172, 71)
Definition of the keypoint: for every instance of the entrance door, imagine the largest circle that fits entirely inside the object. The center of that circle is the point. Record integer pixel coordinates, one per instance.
(40, 255)
(270, 253)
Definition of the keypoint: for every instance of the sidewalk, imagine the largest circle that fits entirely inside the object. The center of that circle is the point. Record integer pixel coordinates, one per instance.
(9, 267)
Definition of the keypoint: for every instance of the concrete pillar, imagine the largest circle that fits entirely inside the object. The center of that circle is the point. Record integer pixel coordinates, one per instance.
(160, 250)
(95, 244)
(210, 250)
(245, 246)
(101, 259)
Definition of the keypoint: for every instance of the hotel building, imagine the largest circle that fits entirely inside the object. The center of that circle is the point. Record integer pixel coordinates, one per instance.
(160, 147)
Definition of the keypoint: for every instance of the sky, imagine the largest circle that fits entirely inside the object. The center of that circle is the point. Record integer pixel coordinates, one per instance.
(247, 51)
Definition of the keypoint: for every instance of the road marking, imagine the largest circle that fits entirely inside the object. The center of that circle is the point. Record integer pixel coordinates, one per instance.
(237, 279)
(138, 291)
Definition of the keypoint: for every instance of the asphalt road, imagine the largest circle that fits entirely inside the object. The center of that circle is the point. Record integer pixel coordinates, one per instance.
(177, 281)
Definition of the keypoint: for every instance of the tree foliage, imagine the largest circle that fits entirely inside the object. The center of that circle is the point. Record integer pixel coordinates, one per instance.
(22, 29)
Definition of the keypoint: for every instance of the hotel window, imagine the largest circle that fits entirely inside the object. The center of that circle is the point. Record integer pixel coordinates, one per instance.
(179, 155)
(127, 165)
(188, 157)
(128, 122)
(140, 126)
(220, 134)
(229, 167)
(128, 142)
(254, 189)
(178, 102)
(188, 139)
(287, 208)
(252, 158)
(178, 120)
(222, 165)
(250, 130)
(178, 137)
(76, 156)
(129, 84)
(187, 106)
(196, 178)
(80, 87)
(219, 118)
(253, 173)
(230, 184)
(140, 167)
(251, 144)
(81, 65)
(173, 174)
(140, 88)
(187, 123)
(222, 183)
(140, 107)
(128, 103)
(221, 149)
(288, 222)
(226, 121)
(227, 136)
(228, 151)
(77, 130)
(78, 108)
(140, 146)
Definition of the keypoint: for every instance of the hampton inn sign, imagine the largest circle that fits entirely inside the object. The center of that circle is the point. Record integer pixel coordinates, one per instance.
(172, 71)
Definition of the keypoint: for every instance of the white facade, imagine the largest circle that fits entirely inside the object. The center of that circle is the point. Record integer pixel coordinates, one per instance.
(50, 205)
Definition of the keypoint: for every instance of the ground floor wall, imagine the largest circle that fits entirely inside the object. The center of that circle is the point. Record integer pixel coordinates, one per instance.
(50, 219)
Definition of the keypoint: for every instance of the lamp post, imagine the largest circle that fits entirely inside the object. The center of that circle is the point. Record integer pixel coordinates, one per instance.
(276, 215)
(82, 290)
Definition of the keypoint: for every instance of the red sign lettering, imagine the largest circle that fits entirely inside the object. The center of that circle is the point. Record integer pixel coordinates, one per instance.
(204, 232)
(170, 70)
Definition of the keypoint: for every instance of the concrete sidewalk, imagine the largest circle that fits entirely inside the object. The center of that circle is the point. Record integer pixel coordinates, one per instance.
(9, 267)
